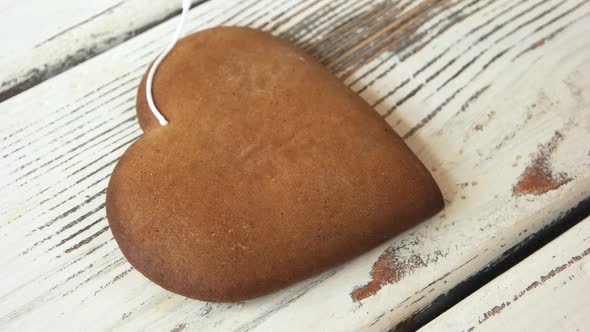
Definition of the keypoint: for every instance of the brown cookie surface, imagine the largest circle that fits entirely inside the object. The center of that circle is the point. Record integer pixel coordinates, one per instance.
(270, 170)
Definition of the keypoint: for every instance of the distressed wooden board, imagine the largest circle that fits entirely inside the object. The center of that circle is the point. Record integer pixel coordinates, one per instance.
(42, 38)
(492, 96)
(546, 292)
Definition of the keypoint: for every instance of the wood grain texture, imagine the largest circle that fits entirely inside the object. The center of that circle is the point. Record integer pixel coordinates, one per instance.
(481, 91)
(41, 39)
(546, 292)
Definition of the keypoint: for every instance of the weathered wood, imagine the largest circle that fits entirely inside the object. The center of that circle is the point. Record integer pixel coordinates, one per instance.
(491, 95)
(41, 39)
(546, 292)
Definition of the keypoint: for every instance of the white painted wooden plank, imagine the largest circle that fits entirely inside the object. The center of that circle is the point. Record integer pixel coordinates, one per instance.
(20, 34)
(43, 38)
(548, 291)
(465, 82)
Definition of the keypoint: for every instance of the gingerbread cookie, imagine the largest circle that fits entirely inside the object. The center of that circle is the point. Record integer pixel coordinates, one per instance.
(270, 170)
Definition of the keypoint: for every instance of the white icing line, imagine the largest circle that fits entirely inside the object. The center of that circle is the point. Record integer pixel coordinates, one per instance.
(148, 87)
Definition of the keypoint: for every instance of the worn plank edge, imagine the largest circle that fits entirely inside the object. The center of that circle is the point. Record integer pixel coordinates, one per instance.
(36, 75)
(500, 265)
(545, 292)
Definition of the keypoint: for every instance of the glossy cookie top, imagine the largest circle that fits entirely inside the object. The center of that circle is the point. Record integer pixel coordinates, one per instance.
(271, 170)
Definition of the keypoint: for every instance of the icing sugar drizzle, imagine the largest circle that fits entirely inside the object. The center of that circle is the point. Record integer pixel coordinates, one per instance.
(150, 78)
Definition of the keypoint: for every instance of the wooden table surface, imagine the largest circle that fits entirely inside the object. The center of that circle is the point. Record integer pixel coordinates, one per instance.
(548, 291)
(492, 95)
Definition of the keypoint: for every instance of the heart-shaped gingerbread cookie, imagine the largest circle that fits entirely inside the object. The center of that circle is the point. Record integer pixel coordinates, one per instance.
(271, 170)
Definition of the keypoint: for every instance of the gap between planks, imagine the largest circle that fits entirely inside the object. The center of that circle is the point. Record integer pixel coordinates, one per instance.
(23, 67)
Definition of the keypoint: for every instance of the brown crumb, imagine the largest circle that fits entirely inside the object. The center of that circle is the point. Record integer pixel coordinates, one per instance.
(387, 269)
(539, 178)
(178, 328)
